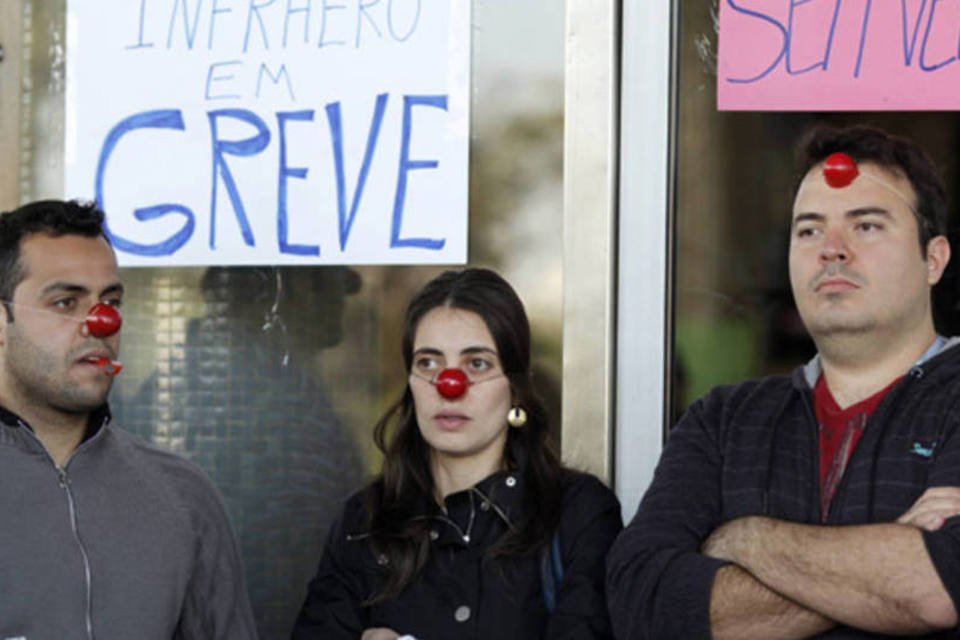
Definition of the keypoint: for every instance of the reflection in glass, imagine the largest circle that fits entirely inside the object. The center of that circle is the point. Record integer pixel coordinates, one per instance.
(239, 395)
(272, 379)
(734, 315)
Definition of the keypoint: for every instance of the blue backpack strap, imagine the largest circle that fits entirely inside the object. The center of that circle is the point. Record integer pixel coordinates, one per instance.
(551, 572)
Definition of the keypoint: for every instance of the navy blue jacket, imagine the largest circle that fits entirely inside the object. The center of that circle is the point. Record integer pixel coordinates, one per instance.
(752, 449)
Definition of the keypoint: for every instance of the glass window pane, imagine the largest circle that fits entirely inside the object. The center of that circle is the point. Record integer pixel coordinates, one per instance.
(734, 315)
(272, 378)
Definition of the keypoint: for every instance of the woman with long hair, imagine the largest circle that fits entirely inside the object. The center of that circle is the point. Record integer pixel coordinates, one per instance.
(473, 528)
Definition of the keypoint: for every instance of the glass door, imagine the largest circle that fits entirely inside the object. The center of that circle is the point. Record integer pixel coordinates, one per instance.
(271, 378)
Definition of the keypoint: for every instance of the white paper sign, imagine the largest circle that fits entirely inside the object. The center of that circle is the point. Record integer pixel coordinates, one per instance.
(272, 131)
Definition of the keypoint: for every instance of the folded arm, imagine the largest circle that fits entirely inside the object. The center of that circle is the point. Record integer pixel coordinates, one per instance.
(661, 584)
(658, 582)
(741, 605)
(877, 577)
(743, 608)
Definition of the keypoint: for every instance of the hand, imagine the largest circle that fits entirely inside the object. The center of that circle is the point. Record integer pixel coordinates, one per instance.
(933, 508)
(379, 633)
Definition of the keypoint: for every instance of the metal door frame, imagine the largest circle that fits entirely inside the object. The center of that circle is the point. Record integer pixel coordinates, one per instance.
(617, 195)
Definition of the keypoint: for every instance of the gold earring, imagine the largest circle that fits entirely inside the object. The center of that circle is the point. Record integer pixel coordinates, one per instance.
(517, 417)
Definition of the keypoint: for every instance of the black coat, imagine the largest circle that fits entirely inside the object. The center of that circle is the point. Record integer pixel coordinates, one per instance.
(463, 592)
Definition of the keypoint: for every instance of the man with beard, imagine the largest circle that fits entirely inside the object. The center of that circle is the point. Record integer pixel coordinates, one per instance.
(103, 536)
(822, 503)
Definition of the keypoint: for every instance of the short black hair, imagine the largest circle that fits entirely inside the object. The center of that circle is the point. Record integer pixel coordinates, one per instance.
(51, 217)
(894, 153)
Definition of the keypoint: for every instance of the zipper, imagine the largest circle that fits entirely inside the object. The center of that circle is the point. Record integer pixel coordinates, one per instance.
(65, 484)
(64, 481)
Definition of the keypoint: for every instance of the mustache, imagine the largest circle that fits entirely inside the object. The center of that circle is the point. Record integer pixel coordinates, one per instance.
(92, 345)
(833, 270)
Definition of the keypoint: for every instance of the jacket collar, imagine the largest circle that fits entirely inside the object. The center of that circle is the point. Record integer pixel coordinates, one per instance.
(464, 514)
(99, 418)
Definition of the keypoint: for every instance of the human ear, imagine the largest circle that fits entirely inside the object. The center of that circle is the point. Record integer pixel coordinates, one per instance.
(938, 255)
(5, 320)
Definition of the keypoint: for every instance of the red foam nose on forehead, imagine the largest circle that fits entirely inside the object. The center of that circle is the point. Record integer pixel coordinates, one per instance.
(452, 383)
(103, 320)
(839, 170)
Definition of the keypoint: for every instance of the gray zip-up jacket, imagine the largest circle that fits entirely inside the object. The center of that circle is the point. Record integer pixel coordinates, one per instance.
(125, 541)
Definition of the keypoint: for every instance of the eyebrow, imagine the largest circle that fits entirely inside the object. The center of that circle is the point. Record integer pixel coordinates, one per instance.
(851, 214)
(472, 350)
(70, 287)
(433, 351)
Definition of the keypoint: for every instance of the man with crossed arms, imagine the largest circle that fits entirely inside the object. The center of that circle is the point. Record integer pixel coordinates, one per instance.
(822, 503)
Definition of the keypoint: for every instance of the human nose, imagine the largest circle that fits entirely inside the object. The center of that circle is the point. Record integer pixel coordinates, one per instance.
(834, 247)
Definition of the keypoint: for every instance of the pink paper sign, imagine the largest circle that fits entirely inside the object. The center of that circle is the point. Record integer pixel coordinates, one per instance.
(838, 55)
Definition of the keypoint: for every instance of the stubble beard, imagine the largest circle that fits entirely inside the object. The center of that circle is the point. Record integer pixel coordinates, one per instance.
(842, 333)
(40, 380)
(834, 323)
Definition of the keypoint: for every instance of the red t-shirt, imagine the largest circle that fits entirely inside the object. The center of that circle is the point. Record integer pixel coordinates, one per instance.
(840, 430)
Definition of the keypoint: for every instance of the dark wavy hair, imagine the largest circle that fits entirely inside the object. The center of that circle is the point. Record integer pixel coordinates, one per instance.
(52, 217)
(405, 483)
(894, 153)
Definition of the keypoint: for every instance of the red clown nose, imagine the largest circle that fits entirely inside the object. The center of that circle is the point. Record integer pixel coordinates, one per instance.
(103, 320)
(839, 170)
(451, 383)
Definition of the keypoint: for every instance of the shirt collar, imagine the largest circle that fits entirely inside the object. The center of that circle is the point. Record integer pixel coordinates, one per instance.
(498, 496)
